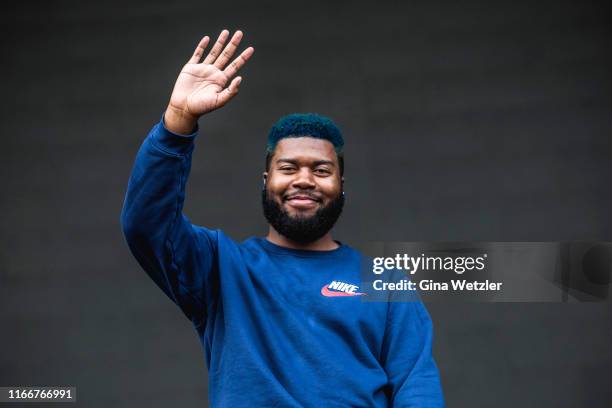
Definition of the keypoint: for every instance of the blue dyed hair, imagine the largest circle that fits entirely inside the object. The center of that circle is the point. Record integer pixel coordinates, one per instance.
(306, 124)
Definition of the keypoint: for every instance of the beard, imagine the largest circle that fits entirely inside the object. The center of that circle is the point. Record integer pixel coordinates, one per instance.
(299, 228)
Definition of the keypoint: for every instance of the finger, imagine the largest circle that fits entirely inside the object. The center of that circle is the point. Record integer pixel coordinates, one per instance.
(229, 50)
(199, 51)
(216, 49)
(236, 64)
(229, 92)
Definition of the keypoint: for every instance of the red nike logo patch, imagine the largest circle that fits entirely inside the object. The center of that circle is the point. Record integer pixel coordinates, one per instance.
(337, 288)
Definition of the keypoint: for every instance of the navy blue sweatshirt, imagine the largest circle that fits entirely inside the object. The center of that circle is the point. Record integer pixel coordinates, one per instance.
(279, 327)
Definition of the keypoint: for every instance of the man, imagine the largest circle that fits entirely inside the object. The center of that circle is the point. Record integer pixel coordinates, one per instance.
(281, 318)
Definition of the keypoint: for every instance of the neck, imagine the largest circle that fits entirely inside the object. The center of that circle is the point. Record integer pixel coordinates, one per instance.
(325, 243)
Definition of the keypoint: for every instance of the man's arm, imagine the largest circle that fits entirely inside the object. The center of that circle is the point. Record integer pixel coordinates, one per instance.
(407, 358)
(179, 256)
(176, 254)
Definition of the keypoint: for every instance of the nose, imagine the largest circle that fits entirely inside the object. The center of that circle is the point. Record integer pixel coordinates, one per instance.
(304, 179)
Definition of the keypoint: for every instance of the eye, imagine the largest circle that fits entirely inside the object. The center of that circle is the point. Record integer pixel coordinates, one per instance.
(322, 170)
(286, 168)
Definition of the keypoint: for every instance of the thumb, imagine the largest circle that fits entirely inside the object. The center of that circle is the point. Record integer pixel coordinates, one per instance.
(229, 92)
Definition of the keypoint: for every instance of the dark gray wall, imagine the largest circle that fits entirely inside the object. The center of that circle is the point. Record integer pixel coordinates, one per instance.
(464, 121)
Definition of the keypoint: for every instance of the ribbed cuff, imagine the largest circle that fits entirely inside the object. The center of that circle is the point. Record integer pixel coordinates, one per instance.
(173, 142)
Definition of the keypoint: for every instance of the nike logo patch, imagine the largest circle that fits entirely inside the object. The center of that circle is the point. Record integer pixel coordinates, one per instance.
(337, 288)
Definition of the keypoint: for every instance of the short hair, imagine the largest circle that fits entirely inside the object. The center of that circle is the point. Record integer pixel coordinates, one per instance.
(306, 125)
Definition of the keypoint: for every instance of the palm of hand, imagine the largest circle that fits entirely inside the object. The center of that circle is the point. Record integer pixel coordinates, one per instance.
(202, 87)
(197, 88)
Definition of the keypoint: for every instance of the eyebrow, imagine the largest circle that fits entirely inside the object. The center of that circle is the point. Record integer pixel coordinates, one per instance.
(315, 163)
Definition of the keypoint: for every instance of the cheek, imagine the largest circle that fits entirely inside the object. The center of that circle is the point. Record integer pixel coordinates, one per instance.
(276, 186)
(331, 188)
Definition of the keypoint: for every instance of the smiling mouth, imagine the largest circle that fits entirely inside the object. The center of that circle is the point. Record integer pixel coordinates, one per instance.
(301, 197)
(302, 202)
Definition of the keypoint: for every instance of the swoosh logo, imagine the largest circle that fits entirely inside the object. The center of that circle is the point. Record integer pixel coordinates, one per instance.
(326, 292)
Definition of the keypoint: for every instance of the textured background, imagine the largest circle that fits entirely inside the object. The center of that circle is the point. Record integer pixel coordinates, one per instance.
(480, 120)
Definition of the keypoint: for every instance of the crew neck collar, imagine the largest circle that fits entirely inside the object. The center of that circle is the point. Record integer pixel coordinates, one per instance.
(304, 253)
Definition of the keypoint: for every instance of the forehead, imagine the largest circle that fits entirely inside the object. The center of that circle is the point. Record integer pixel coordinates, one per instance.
(305, 148)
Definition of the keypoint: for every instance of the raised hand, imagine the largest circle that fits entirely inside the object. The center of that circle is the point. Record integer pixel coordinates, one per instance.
(202, 87)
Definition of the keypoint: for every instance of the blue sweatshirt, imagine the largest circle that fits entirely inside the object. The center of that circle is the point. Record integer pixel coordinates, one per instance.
(279, 327)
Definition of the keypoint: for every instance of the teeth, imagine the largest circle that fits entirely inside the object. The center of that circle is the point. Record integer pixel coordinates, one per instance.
(302, 198)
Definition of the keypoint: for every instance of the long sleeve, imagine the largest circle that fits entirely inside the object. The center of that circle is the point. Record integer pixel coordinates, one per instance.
(178, 256)
(407, 358)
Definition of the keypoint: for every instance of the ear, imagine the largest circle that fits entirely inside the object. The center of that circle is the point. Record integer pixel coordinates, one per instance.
(265, 177)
